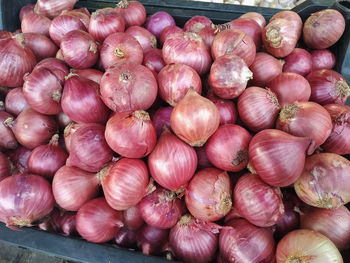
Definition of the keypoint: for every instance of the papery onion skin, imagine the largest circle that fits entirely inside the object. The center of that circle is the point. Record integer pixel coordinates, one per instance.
(290, 87)
(125, 183)
(161, 118)
(229, 76)
(52, 63)
(324, 28)
(298, 61)
(259, 203)
(209, 194)
(45, 160)
(333, 223)
(5, 168)
(33, 199)
(133, 12)
(52, 8)
(90, 73)
(172, 162)
(151, 240)
(153, 59)
(128, 87)
(168, 31)
(73, 187)
(193, 240)
(227, 148)
(132, 218)
(174, 80)
(307, 246)
(244, 242)
(194, 119)
(97, 222)
(19, 159)
(88, 148)
(35, 23)
(257, 17)
(322, 59)
(7, 138)
(324, 182)
(258, 108)
(146, 39)
(328, 86)
(278, 157)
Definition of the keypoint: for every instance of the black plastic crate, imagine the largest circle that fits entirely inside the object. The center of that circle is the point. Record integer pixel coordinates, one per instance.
(80, 250)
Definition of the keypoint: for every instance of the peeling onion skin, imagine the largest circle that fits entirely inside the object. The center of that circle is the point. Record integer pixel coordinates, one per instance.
(325, 181)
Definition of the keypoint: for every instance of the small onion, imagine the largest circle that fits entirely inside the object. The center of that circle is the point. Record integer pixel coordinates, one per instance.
(322, 59)
(146, 39)
(97, 222)
(40, 44)
(134, 12)
(25, 10)
(208, 35)
(5, 168)
(52, 8)
(19, 159)
(158, 21)
(132, 218)
(227, 109)
(90, 73)
(151, 240)
(161, 118)
(298, 61)
(7, 138)
(126, 237)
(35, 23)
(197, 23)
(168, 31)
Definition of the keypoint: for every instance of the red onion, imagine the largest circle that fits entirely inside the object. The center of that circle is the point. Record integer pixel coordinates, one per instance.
(45, 160)
(208, 35)
(34, 23)
(32, 128)
(63, 120)
(172, 162)
(299, 61)
(339, 141)
(81, 100)
(105, 22)
(126, 237)
(258, 202)
(69, 130)
(175, 80)
(79, 49)
(306, 119)
(323, 29)
(203, 161)
(209, 194)
(153, 59)
(229, 76)
(243, 242)
(146, 39)
(132, 218)
(134, 12)
(25, 10)
(324, 182)
(307, 246)
(161, 118)
(161, 209)
(187, 48)
(131, 134)
(265, 68)
(120, 47)
(19, 159)
(234, 41)
(5, 34)
(16, 59)
(257, 17)
(90, 73)
(97, 222)
(151, 240)
(227, 109)
(82, 16)
(197, 23)
(89, 150)
(158, 21)
(290, 87)
(125, 183)
(168, 31)
(328, 86)
(62, 25)
(128, 87)
(73, 187)
(52, 8)
(322, 59)
(5, 167)
(333, 223)
(258, 108)
(227, 148)
(7, 138)
(68, 224)
(202, 115)
(24, 198)
(193, 240)
(278, 157)
(42, 90)
(53, 63)
(40, 44)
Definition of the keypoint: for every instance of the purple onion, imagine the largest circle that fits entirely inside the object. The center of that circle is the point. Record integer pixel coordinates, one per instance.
(157, 22)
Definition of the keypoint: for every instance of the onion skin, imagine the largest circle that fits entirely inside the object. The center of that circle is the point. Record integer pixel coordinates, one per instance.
(45, 160)
(324, 182)
(193, 240)
(126, 237)
(194, 119)
(132, 218)
(41, 45)
(153, 59)
(306, 119)
(167, 31)
(158, 21)
(134, 12)
(25, 10)
(73, 187)
(81, 100)
(131, 134)
(307, 246)
(323, 29)
(151, 240)
(328, 86)
(175, 80)
(203, 161)
(90, 73)
(258, 108)
(35, 23)
(5, 168)
(69, 130)
(146, 39)
(197, 23)
(338, 141)
(227, 148)
(33, 199)
(227, 109)
(209, 194)
(19, 159)
(7, 138)
(161, 118)
(172, 162)
(52, 8)
(322, 59)
(128, 87)
(97, 222)
(208, 35)
(242, 242)
(278, 157)
(257, 17)
(53, 63)
(15, 101)
(333, 223)
(299, 61)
